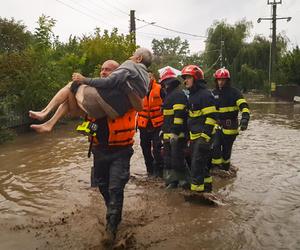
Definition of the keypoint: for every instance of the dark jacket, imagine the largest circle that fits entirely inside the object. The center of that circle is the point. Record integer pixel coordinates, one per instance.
(229, 102)
(175, 113)
(129, 77)
(202, 112)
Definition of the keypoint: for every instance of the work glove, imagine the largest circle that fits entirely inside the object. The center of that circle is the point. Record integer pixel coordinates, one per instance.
(243, 124)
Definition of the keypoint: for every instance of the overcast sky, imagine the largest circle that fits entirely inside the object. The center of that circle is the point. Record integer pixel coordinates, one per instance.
(79, 17)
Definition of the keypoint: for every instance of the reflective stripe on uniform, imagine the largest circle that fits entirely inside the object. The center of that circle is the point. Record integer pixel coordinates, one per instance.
(178, 120)
(210, 121)
(230, 131)
(228, 109)
(208, 180)
(240, 101)
(245, 110)
(195, 113)
(198, 188)
(209, 110)
(198, 135)
(167, 136)
(178, 106)
(217, 161)
(204, 111)
(168, 112)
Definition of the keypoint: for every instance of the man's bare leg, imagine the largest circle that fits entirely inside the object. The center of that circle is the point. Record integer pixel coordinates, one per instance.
(60, 97)
(62, 110)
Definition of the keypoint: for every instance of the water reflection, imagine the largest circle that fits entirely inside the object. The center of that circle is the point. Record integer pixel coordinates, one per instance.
(277, 112)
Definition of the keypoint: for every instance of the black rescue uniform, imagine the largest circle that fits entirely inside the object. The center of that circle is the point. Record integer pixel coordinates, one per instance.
(229, 102)
(201, 121)
(175, 115)
(112, 154)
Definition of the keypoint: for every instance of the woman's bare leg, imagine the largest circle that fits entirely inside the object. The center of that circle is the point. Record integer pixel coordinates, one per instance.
(61, 96)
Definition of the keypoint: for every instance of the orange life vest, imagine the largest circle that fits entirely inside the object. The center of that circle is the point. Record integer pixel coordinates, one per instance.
(121, 130)
(151, 108)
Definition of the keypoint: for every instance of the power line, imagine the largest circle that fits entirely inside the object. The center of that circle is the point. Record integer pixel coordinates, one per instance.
(169, 29)
(80, 11)
(96, 12)
(100, 7)
(121, 11)
(213, 65)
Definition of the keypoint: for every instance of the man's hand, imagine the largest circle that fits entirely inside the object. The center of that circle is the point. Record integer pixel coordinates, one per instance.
(243, 124)
(78, 77)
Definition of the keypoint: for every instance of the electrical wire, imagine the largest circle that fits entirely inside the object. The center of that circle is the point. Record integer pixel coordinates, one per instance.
(169, 29)
(82, 12)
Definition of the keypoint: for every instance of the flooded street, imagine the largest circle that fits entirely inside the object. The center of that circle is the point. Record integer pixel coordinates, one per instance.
(46, 201)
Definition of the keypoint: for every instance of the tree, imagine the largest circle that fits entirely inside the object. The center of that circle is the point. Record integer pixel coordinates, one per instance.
(170, 51)
(290, 65)
(98, 48)
(233, 37)
(13, 36)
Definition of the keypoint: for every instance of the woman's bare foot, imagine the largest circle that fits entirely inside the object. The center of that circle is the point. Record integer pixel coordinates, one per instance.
(39, 115)
(41, 128)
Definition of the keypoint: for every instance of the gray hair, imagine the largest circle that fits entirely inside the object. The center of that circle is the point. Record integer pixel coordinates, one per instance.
(146, 56)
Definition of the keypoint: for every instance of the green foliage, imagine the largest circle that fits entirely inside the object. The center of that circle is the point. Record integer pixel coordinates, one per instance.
(33, 67)
(99, 48)
(248, 62)
(290, 65)
(43, 34)
(13, 36)
(233, 37)
(173, 52)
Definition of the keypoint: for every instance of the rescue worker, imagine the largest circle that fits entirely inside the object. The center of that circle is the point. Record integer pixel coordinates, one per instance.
(112, 154)
(150, 120)
(201, 121)
(106, 69)
(174, 130)
(229, 102)
(112, 151)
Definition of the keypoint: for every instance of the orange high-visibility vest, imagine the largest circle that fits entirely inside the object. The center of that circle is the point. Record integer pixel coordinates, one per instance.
(121, 129)
(151, 108)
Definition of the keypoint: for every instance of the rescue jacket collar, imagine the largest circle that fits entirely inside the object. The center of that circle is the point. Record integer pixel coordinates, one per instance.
(198, 84)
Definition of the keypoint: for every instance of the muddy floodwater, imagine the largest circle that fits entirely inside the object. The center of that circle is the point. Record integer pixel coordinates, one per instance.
(46, 201)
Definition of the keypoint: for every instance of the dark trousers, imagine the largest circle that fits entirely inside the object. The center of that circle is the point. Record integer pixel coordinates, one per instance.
(111, 173)
(200, 157)
(174, 161)
(151, 146)
(222, 149)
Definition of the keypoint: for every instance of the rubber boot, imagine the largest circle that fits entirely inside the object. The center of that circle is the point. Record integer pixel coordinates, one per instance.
(108, 238)
(110, 231)
(208, 187)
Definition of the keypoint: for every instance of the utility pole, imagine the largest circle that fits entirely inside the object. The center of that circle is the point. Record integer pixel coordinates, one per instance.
(273, 50)
(221, 54)
(132, 28)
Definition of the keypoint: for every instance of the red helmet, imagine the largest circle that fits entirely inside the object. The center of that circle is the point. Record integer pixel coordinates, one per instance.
(194, 71)
(222, 74)
(168, 73)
